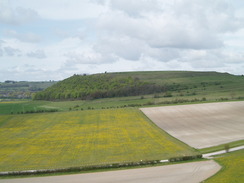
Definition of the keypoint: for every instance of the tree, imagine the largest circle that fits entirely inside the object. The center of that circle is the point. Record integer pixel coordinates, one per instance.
(227, 148)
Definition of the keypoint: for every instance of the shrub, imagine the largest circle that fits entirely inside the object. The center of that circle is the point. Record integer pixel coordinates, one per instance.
(168, 94)
(204, 99)
(185, 158)
(83, 168)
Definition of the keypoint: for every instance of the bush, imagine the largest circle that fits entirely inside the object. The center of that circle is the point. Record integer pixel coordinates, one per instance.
(156, 96)
(168, 94)
(204, 99)
(185, 158)
(149, 103)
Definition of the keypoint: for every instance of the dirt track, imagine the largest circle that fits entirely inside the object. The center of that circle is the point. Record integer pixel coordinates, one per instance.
(185, 173)
(201, 125)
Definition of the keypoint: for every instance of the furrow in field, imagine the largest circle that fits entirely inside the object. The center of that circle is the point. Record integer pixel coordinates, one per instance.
(201, 125)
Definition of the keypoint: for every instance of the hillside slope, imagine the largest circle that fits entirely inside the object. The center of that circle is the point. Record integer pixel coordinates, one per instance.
(132, 84)
(97, 86)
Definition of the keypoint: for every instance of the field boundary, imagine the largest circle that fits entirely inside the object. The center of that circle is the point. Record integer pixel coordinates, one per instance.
(119, 165)
(104, 166)
(82, 168)
(209, 155)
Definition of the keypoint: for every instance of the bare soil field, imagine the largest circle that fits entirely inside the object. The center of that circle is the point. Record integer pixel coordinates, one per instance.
(185, 173)
(201, 125)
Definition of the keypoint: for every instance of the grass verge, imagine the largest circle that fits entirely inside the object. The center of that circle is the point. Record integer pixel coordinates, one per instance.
(221, 147)
(232, 168)
(100, 169)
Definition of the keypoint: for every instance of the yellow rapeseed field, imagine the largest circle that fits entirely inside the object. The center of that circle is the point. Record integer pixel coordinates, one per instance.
(80, 138)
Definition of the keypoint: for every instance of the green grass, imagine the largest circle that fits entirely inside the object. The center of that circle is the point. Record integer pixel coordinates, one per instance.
(232, 168)
(211, 85)
(14, 107)
(222, 147)
(17, 107)
(80, 138)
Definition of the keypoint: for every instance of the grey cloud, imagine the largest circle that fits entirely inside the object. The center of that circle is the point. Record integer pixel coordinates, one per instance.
(1, 42)
(89, 57)
(37, 54)
(61, 33)
(131, 34)
(213, 15)
(185, 25)
(101, 2)
(205, 59)
(124, 47)
(27, 37)
(29, 73)
(1, 50)
(135, 7)
(11, 51)
(180, 37)
(163, 54)
(158, 32)
(18, 15)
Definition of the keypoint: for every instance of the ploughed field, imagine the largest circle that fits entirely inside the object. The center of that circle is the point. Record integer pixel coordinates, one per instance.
(201, 125)
(82, 138)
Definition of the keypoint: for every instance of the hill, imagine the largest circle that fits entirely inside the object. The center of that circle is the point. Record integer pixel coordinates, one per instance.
(134, 84)
(98, 86)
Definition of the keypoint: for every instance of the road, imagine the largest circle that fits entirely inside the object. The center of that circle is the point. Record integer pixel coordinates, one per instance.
(194, 172)
(209, 155)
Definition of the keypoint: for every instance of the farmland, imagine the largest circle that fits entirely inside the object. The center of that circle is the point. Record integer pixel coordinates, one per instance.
(201, 125)
(98, 131)
(232, 168)
(80, 138)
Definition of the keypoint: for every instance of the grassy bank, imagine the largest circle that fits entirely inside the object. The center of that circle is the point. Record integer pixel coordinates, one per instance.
(222, 147)
(232, 168)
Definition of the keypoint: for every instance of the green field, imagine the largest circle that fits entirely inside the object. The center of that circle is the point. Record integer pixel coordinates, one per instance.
(183, 88)
(232, 168)
(80, 138)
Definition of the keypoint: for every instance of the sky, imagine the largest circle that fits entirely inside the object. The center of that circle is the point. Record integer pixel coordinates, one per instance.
(44, 40)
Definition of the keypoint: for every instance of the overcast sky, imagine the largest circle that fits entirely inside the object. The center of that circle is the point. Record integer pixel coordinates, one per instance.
(54, 39)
